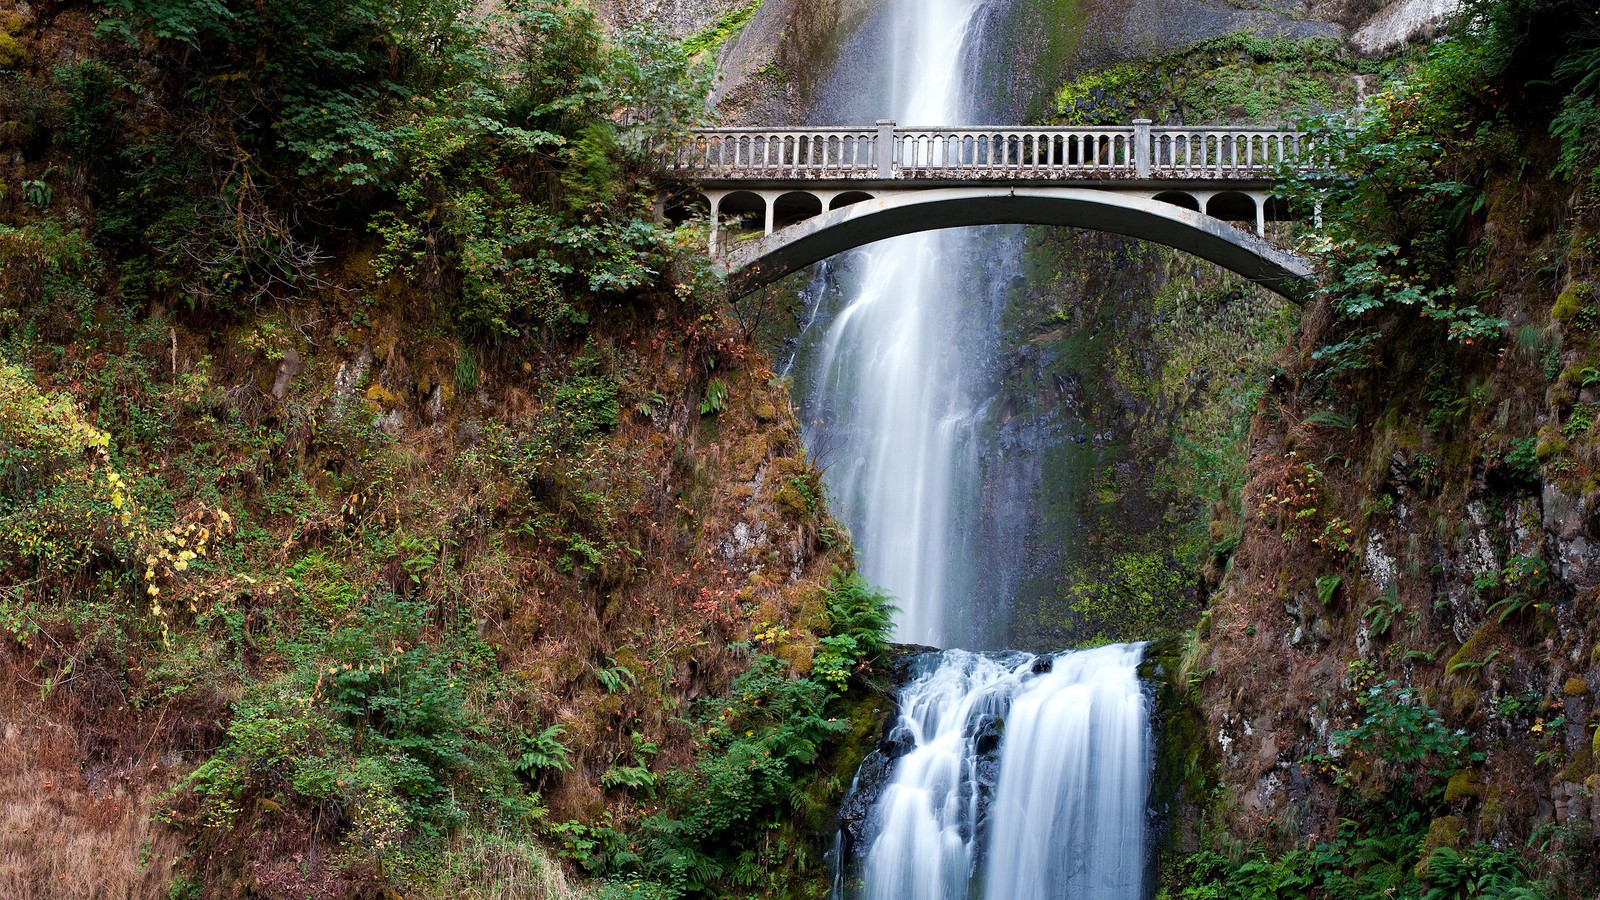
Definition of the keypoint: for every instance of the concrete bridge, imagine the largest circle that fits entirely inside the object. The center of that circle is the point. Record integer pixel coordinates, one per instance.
(780, 200)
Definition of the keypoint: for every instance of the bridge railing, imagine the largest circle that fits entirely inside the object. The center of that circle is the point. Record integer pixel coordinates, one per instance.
(1223, 151)
(885, 151)
(982, 152)
(814, 152)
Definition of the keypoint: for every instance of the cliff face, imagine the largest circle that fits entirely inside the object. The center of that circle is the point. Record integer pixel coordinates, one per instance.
(1424, 526)
(1403, 651)
(372, 527)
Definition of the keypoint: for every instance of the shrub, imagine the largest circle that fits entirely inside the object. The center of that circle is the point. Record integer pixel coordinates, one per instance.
(860, 617)
(384, 733)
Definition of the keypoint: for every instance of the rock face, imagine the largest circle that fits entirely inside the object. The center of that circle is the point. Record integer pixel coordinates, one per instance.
(797, 60)
(1466, 581)
(678, 18)
(1400, 22)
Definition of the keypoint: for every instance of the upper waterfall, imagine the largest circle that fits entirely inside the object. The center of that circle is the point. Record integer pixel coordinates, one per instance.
(894, 386)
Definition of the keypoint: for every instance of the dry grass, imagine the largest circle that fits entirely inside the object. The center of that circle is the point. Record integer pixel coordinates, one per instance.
(63, 835)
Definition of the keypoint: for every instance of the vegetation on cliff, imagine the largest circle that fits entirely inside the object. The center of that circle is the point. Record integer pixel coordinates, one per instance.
(1396, 678)
(386, 504)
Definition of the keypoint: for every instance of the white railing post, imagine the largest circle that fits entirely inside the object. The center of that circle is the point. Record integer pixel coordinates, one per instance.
(1141, 148)
(885, 148)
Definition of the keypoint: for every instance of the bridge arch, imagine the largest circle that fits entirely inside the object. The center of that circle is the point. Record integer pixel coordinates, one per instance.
(1179, 198)
(795, 206)
(845, 198)
(893, 213)
(1232, 206)
(748, 210)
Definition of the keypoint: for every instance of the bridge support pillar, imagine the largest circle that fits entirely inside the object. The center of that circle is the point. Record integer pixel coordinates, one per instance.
(1261, 215)
(1141, 148)
(884, 148)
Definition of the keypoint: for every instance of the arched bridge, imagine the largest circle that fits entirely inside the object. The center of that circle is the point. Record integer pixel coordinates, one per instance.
(780, 200)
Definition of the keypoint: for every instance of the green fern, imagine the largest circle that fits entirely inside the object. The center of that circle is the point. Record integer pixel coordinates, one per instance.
(1329, 419)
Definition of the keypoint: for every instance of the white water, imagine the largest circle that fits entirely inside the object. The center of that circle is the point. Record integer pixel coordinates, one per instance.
(1067, 818)
(1018, 784)
(891, 378)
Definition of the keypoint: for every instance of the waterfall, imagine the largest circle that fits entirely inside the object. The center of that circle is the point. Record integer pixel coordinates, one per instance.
(891, 394)
(1007, 776)
(1017, 776)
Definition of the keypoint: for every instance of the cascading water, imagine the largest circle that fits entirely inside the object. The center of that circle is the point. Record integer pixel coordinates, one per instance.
(1017, 776)
(892, 400)
(1008, 775)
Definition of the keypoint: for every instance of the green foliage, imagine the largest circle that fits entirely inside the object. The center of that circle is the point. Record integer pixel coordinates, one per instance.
(1517, 587)
(1330, 419)
(60, 503)
(756, 748)
(1384, 609)
(543, 752)
(1395, 727)
(1522, 458)
(861, 617)
(1131, 595)
(311, 81)
(1393, 195)
(587, 403)
(716, 399)
(713, 36)
(1578, 120)
(1327, 586)
(1374, 857)
(387, 734)
(1230, 78)
(478, 145)
(1482, 871)
(616, 677)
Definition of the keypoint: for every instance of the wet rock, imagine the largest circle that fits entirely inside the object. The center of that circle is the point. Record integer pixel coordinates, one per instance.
(1398, 23)
(1379, 564)
(288, 367)
(899, 742)
(350, 375)
(856, 823)
(1566, 518)
(986, 733)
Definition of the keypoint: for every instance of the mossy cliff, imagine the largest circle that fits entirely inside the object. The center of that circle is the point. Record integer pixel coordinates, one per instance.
(1130, 371)
(388, 506)
(1400, 663)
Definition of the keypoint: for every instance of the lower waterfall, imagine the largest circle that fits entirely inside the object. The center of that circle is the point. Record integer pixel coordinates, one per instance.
(1007, 775)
